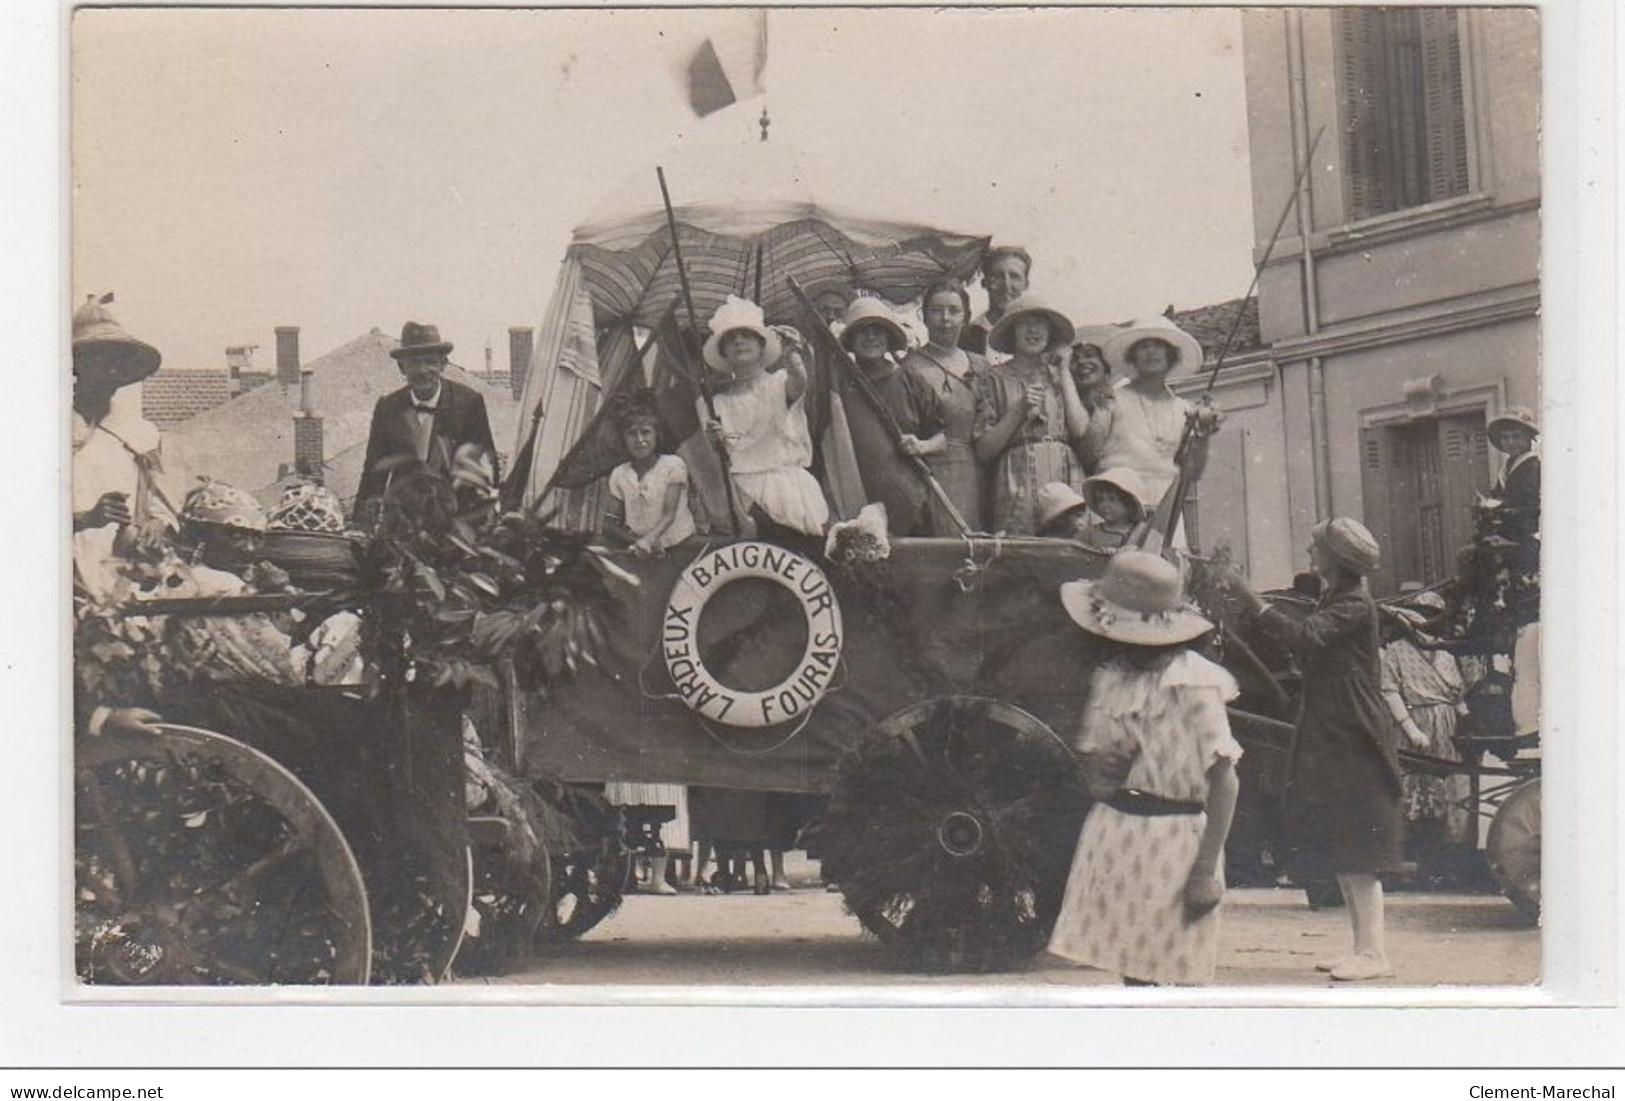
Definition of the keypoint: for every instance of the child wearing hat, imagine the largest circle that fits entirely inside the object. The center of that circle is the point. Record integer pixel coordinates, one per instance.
(1115, 503)
(1157, 754)
(1104, 517)
(649, 492)
(1344, 780)
(761, 419)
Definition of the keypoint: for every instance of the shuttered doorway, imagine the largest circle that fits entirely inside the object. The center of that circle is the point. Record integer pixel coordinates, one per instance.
(1420, 480)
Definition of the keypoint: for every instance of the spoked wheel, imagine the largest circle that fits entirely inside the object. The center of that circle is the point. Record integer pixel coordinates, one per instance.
(201, 861)
(1513, 847)
(950, 833)
(512, 895)
(591, 871)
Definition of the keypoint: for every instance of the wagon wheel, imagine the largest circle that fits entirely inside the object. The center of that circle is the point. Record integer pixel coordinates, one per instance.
(591, 870)
(950, 833)
(1513, 847)
(512, 893)
(201, 861)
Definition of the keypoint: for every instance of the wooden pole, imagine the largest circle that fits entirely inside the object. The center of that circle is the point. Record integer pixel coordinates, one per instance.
(699, 375)
(1169, 509)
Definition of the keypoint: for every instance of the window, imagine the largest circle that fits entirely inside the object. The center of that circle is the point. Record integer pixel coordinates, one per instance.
(1404, 114)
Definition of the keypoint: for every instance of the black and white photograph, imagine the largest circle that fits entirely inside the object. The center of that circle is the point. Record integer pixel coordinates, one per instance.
(1020, 504)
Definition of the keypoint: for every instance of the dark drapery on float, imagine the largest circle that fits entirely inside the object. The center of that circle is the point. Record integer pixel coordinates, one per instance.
(939, 617)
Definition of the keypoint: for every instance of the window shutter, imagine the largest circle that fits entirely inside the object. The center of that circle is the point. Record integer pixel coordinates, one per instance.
(1403, 108)
(1360, 72)
(1377, 470)
(1446, 125)
(1429, 461)
(1466, 474)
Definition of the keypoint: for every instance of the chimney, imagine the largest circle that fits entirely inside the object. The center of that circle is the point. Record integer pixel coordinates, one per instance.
(487, 359)
(239, 357)
(307, 430)
(287, 355)
(519, 349)
(306, 406)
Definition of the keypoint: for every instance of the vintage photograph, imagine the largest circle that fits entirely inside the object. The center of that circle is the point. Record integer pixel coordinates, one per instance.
(1036, 499)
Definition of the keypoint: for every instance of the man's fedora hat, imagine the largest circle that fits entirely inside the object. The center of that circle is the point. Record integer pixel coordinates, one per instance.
(420, 340)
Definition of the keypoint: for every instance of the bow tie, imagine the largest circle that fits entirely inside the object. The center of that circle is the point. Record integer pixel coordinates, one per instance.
(422, 407)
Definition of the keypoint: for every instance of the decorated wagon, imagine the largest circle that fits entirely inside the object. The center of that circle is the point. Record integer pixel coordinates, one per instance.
(451, 806)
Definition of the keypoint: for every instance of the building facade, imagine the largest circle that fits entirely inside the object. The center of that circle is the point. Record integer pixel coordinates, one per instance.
(1400, 303)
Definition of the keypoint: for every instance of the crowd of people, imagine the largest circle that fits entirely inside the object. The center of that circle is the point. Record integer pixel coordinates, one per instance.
(983, 427)
(1016, 421)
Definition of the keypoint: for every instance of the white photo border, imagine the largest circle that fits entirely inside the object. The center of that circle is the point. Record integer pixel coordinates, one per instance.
(1573, 1018)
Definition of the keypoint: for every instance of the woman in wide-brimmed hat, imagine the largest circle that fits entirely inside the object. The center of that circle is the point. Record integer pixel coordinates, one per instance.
(1157, 753)
(1146, 422)
(1344, 781)
(1423, 688)
(116, 464)
(1029, 416)
(1514, 433)
(761, 419)
(875, 339)
(951, 372)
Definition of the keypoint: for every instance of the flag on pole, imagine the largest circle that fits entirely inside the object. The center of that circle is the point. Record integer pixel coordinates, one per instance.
(727, 66)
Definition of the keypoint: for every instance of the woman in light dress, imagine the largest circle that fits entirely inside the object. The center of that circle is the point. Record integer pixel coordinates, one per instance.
(951, 373)
(1029, 416)
(1142, 899)
(761, 420)
(1141, 428)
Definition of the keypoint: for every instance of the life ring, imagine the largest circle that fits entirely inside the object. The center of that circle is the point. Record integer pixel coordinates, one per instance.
(792, 698)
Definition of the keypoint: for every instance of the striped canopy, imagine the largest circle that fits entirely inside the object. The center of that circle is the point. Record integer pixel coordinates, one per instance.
(638, 284)
(738, 208)
(747, 218)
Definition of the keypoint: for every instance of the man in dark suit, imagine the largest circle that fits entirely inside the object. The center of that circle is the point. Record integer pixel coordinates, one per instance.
(425, 421)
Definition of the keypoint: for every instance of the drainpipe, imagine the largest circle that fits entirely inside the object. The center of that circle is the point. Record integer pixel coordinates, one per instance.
(1319, 427)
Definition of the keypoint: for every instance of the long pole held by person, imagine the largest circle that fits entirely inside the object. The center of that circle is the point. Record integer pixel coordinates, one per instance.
(1160, 532)
(895, 430)
(699, 374)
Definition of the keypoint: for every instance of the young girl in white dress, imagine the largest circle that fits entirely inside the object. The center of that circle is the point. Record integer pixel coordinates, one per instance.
(648, 494)
(649, 507)
(761, 419)
(1157, 754)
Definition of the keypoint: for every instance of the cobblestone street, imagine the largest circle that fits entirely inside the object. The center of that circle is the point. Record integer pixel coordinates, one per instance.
(1271, 939)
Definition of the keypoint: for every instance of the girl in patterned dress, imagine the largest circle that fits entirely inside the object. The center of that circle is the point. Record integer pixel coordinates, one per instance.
(1142, 899)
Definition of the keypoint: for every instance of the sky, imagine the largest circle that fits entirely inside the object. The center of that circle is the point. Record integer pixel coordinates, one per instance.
(340, 170)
